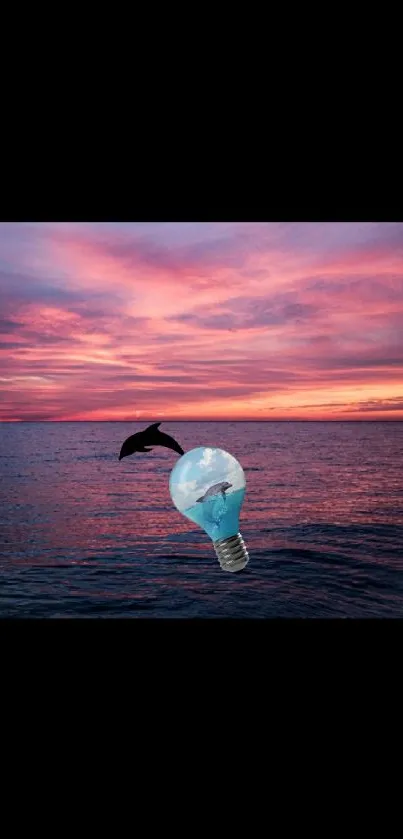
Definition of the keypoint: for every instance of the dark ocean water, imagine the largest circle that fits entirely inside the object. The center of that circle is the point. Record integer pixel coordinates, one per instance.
(82, 535)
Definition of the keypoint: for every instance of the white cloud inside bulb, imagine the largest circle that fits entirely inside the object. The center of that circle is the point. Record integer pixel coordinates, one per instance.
(207, 460)
(200, 469)
(183, 491)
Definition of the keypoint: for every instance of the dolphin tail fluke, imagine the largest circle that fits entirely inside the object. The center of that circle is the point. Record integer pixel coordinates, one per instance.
(161, 439)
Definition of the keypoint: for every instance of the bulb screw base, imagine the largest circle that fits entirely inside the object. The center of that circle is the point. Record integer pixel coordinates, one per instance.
(231, 553)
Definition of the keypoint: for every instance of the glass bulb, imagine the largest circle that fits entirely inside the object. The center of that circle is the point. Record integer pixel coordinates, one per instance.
(208, 487)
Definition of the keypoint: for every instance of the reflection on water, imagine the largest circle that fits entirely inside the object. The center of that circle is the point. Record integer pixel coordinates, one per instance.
(82, 534)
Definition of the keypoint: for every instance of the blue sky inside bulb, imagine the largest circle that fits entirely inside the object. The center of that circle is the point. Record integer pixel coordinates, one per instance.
(207, 485)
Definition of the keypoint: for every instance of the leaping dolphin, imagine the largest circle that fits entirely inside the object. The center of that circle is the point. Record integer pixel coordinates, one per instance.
(215, 489)
(149, 437)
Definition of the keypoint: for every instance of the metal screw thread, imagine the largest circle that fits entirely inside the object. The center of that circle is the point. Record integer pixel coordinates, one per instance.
(231, 553)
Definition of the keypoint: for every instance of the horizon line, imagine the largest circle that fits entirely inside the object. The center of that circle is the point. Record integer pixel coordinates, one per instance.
(141, 422)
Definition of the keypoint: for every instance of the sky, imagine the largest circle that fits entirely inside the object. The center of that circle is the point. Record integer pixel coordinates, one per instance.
(177, 321)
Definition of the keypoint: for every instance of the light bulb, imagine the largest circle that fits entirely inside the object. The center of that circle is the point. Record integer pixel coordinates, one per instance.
(208, 487)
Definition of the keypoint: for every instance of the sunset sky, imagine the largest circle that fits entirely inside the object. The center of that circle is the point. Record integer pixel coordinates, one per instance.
(104, 321)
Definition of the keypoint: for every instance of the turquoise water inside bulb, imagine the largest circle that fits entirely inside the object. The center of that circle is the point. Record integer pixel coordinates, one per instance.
(220, 517)
(207, 485)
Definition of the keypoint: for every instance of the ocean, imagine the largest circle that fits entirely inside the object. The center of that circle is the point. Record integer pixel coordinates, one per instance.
(84, 535)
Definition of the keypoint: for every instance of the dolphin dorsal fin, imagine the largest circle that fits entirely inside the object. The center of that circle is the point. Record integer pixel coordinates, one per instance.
(154, 425)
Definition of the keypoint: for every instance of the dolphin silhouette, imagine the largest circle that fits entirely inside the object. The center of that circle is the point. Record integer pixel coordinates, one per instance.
(149, 437)
(214, 490)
